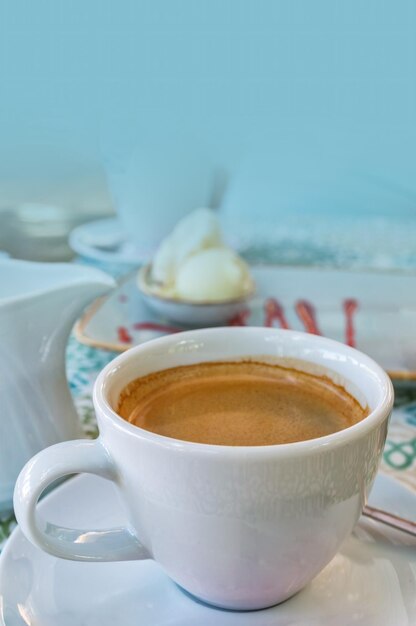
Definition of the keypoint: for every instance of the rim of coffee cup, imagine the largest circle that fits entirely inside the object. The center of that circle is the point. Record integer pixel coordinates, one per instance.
(382, 410)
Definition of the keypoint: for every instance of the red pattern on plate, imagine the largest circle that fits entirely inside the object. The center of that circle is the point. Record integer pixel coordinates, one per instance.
(306, 313)
(350, 306)
(274, 311)
(124, 335)
(240, 319)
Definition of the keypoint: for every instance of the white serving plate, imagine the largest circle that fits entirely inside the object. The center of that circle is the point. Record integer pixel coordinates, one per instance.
(384, 324)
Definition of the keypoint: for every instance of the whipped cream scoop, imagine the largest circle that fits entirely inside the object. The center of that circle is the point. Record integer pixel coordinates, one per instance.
(193, 262)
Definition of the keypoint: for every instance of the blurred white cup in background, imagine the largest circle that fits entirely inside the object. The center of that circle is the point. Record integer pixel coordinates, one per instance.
(156, 176)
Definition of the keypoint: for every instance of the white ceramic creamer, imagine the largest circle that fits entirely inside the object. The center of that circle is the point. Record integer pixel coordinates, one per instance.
(39, 303)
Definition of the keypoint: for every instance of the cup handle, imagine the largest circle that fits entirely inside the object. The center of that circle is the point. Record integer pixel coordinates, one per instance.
(71, 457)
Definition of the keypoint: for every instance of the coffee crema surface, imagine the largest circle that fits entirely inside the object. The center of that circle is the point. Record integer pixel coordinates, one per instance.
(238, 403)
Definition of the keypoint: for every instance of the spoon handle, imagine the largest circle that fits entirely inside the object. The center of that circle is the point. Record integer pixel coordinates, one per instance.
(390, 519)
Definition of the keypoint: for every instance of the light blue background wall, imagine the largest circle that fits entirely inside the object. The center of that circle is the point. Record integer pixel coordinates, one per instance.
(308, 104)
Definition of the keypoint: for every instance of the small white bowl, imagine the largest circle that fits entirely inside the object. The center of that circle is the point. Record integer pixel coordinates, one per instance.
(187, 312)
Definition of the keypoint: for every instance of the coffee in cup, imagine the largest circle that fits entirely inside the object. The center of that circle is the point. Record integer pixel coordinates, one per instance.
(239, 403)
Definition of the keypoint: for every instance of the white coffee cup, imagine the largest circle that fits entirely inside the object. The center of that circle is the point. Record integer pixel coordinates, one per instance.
(238, 527)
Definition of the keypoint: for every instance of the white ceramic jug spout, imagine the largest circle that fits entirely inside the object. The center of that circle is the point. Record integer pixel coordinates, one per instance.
(39, 303)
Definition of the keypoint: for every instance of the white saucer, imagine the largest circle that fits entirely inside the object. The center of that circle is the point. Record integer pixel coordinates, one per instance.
(371, 582)
(105, 241)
